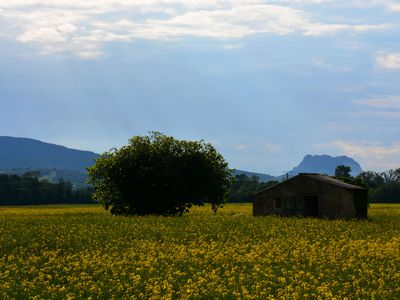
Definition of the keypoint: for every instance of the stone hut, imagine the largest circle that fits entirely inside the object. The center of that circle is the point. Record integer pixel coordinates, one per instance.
(312, 195)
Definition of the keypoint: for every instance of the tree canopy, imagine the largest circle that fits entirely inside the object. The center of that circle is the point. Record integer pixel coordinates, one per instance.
(383, 187)
(158, 174)
(343, 171)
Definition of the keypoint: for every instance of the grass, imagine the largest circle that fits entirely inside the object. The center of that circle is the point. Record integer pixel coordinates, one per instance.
(75, 252)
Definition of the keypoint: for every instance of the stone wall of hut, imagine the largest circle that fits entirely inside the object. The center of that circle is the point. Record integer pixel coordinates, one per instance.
(289, 198)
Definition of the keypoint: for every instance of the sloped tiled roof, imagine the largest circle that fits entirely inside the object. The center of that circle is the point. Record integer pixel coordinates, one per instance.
(332, 181)
(321, 178)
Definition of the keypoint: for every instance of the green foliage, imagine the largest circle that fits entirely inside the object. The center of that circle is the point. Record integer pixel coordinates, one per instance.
(28, 189)
(354, 181)
(388, 193)
(342, 171)
(391, 176)
(371, 179)
(158, 174)
(243, 187)
(383, 187)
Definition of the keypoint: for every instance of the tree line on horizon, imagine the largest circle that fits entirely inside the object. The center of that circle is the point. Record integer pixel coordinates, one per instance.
(28, 189)
(243, 187)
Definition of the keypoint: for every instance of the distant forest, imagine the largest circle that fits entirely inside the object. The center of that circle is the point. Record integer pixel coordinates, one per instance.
(28, 189)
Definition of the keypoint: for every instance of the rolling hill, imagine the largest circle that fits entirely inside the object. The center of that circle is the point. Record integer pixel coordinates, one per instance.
(54, 162)
(24, 153)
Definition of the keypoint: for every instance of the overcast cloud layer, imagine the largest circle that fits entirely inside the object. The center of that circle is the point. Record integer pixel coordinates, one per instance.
(82, 27)
(266, 81)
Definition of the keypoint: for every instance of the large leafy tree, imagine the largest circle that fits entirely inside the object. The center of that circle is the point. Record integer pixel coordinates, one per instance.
(158, 174)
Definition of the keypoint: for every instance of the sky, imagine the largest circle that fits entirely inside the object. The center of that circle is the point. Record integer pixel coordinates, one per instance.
(266, 82)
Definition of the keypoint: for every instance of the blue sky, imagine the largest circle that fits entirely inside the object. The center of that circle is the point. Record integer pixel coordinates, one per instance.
(266, 82)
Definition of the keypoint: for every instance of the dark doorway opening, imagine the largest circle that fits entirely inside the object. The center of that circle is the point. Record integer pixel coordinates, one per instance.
(310, 206)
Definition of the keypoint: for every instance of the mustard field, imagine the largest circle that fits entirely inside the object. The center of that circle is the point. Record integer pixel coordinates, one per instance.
(82, 252)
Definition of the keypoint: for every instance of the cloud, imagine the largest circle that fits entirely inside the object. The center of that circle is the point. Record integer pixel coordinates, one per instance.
(390, 5)
(382, 109)
(380, 116)
(272, 147)
(232, 46)
(390, 61)
(257, 147)
(233, 23)
(323, 64)
(372, 155)
(395, 7)
(82, 27)
(240, 147)
(381, 103)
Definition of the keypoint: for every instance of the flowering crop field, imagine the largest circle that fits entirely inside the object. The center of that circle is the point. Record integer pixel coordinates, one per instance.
(76, 252)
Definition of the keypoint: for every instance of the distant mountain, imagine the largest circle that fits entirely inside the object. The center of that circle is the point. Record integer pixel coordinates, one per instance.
(322, 164)
(24, 153)
(54, 162)
(21, 155)
(261, 176)
(325, 164)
